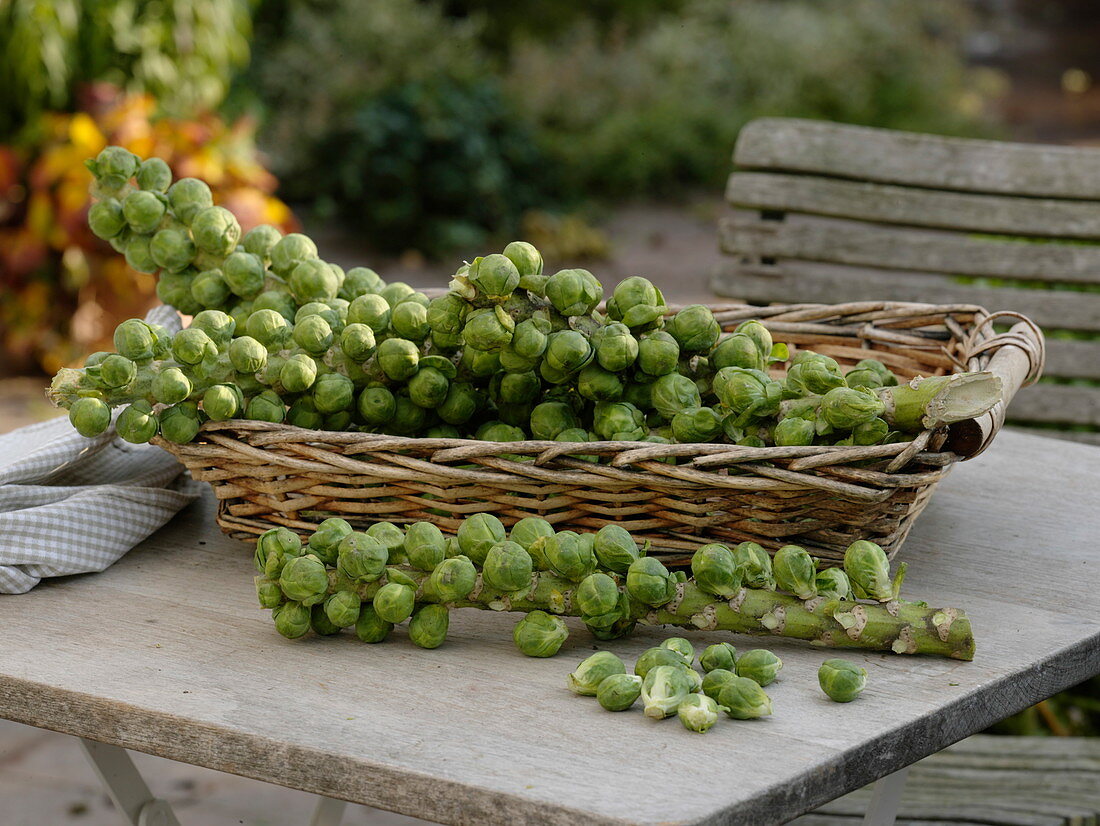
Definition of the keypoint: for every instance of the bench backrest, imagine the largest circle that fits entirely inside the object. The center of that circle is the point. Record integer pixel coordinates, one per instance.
(826, 212)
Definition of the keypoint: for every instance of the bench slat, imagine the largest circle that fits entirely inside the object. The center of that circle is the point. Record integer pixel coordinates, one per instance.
(889, 204)
(1072, 359)
(843, 241)
(932, 161)
(1057, 403)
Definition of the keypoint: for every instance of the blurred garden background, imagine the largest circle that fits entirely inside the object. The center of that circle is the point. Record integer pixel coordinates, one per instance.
(408, 135)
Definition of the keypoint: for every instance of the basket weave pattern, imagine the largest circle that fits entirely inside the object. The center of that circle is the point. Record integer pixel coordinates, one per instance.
(678, 496)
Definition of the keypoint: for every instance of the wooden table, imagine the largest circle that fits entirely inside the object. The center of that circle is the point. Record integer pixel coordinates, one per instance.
(167, 653)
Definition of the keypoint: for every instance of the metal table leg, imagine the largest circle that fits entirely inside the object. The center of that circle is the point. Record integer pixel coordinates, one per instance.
(127, 788)
(329, 812)
(886, 799)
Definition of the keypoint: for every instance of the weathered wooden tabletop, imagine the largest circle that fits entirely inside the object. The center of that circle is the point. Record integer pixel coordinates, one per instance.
(166, 653)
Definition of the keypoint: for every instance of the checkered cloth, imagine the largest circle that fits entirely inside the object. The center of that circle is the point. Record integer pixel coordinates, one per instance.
(71, 505)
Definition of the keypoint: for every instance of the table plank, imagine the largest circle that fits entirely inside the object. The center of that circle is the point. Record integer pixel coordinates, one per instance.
(166, 653)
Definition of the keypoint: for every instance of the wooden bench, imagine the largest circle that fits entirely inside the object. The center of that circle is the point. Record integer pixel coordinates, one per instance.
(826, 212)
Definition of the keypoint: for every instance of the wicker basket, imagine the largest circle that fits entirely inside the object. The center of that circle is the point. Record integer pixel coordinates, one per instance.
(821, 497)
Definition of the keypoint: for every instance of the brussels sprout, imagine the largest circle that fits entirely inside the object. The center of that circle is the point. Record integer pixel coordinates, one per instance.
(260, 241)
(376, 405)
(616, 348)
(394, 602)
(844, 408)
(694, 329)
(428, 626)
(574, 292)
(488, 329)
(716, 679)
(90, 416)
(720, 656)
(551, 418)
(222, 402)
(303, 413)
(298, 373)
(886, 377)
(480, 363)
(673, 393)
(682, 647)
(135, 339)
(209, 288)
(333, 392)
(266, 407)
(424, 545)
(862, 377)
(396, 292)
(174, 289)
(292, 619)
(215, 230)
(841, 680)
(360, 557)
(615, 548)
(143, 211)
(244, 274)
(702, 424)
(453, 579)
(115, 165)
(460, 405)
(526, 259)
(325, 541)
(570, 555)
(530, 338)
(592, 671)
(568, 351)
(754, 565)
(526, 533)
(658, 354)
(358, 342)
(870, 433)
(247, 355)
(738, 351)
(653, 657)
(172, 249)
(409, 319)
(180, 423)
(748, 392)
(138, 256)
(408, 418)
(281, 302)
(189, 197)
(290, 251)
(499, 432)
(663, 689)
(428, 388)
(154, 174)
(619, 422)
(868, 569)
(320, 623)
(597, 384)
(398, 358)
(649, 582)
(342, 609)
(268, 593)
(313, 280)
(715, 570)
(372, 310)
(791, 431)
(216, 324)
(304, 579)
(117, 371)
(507, 567)
(106, 219)
(360, 281)
(759, 665)
(540, 634)
(813, 376)
(137, 423)
(832, 583)
(519, 388)
(268, 327)
(618, 692)
(636, 303)
(596, 595)
(795, 571)
(494, 277)
(744, 699)
(698, 712)
(370, 627)
(477, 534)
(338, 422)
(446, 314)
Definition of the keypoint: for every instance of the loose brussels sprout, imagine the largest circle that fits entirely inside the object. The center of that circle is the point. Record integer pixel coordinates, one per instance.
(117, 371)
(844, 408)
(791, 431)
(222, 402)
(715, 570)
(698, 712)
(540, 634)
(477, 534)
(370, 627)
(795, 571)
(868, 569)
(636, 303)
(702, 424)
(551, 418)
(813, 376)
(570, 555)
(180, 423)
(716, 679)
(615, 548)
(618, 692)
(841, 680)
(659, 655)
(596, 595)
(268, 327)
(507, 567)
(744, 699)
(592, 671)
(303, 413)
(268, 593)
(333, 392)
(143, 211)
(360, 281)
(832, 583)
(673, 393)
(361, 558)
(266, 407)
(574, 292)
(494, 277)
(135, 340)
(292, 619)
(527, 259)
(681, 646)
(721, 655)
(616, 347)
(137, 423)
(90, 416)
(424, 545)
(398, 358)
(376, 405)
(567, 352)
(619, 422)
(106, 219)
(598, 385)
(428, 626)
(658, 354)
(189, 197)
(460, 405)
(394, 602)
(754, 565)
(738, 351)
(304, 579)
(663, 689)
(649, 582)
(759, 665)
(694, 329)
(298, 373)
(325, 541)
(453, 579)
(870, 433)
(342, 608)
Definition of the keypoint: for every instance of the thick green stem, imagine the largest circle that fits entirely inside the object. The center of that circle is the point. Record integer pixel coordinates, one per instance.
(939, 400)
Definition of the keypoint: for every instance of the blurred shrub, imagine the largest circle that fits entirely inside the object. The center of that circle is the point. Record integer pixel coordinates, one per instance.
(183, 52)
(650, 113)
(61, 289)
(562, 238)
(389, 115)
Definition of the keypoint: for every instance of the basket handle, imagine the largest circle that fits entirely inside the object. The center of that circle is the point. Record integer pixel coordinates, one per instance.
(1016, 356)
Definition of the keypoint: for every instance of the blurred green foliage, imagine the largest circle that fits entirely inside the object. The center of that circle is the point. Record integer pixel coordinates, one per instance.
(182, 52)
(1075, 712)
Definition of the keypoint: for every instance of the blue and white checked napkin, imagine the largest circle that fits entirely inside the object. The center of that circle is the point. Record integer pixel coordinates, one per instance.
(72, 505)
